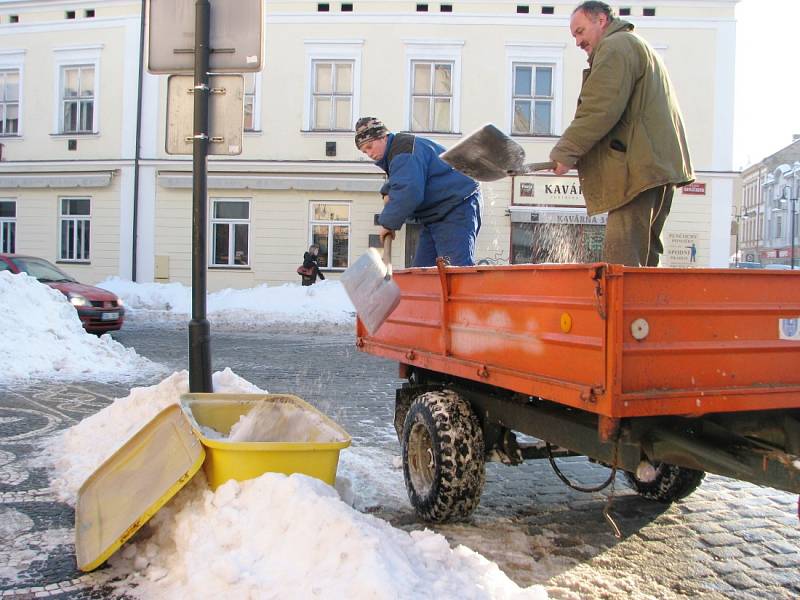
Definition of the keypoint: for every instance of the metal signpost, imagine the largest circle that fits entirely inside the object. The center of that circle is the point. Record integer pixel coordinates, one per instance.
(227, 37)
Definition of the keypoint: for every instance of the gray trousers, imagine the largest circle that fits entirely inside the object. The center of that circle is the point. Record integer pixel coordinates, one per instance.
(633, 231)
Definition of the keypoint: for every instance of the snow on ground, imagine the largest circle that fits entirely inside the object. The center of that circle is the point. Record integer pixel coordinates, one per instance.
(323, 303)
(275, 536)
(42, 338)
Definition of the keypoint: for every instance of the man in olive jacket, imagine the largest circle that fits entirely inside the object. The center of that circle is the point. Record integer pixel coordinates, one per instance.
(627, 137)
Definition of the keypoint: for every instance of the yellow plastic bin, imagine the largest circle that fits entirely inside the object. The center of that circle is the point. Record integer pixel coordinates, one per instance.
(310, 445)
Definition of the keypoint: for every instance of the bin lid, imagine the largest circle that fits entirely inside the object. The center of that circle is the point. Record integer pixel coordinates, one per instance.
(133, 484)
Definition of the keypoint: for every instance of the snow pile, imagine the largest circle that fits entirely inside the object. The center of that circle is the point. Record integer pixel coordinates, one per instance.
(274, 536)
(325, 302)
(292, 537)
(79, 450)
(282, 422)
(43, 338)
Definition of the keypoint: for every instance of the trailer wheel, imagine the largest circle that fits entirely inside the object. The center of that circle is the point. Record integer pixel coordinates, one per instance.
(671, 483)
(443, 456)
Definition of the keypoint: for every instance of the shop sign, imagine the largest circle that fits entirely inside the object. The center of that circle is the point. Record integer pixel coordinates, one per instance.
(557, 217)
(544, 189)
(694, 189)
(769, 254)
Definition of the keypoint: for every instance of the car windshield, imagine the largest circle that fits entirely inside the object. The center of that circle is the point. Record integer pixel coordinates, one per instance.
(41, 269)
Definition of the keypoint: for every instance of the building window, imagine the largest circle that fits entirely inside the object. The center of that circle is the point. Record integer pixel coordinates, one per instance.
(548, 10)
(332, 96)
(532, 100)
(89, 13)
(649, 12)
(13, 18)
(330, 230)
(77, 99)
(432, 96)
(249, 101)
(422, 8)
(347, 7)
(70, 14)
(778, 227)
(9, 102)
(446, 8)
(556, 243)
(624, 12)
(8, 226)
(75, 224)
(230, 233)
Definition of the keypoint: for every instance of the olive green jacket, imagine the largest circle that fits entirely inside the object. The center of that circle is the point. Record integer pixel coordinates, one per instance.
(627, 135)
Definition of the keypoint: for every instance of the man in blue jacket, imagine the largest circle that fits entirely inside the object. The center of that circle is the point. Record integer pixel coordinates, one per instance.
(422, 187)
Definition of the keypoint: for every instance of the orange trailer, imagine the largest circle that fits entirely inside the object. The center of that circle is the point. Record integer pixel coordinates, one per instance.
(661, 373)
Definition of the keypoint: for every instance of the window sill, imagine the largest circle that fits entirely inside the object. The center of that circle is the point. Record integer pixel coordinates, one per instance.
(81, 134)
(328, 132)
(10, 136)
(535, 136)
(436, 133)
(229, 268)
(66, 261)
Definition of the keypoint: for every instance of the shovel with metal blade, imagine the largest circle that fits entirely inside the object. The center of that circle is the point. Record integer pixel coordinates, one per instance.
(368, 282)
(488, 154)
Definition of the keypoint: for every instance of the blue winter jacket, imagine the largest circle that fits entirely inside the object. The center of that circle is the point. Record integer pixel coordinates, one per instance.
(420, 185)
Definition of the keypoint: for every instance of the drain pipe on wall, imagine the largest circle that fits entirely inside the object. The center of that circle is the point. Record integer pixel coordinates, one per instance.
(137, 151)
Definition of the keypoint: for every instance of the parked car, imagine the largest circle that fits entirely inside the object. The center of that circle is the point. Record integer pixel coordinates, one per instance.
(99, 310)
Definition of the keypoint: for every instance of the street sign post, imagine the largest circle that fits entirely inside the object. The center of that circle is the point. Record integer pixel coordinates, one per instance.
(225, 114)
(236, 42)
(196, 36)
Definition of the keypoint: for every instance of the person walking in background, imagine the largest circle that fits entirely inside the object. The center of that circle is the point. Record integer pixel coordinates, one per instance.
(421, 186)
(626, 139)
(309, 270)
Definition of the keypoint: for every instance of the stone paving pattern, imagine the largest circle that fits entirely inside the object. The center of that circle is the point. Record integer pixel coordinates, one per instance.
(727, 540)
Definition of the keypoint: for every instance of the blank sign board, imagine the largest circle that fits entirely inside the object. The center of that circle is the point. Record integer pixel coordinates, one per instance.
(225, 114)
(236, 36)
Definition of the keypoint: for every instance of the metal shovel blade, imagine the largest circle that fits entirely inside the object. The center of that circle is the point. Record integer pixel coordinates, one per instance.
(486, 154)
(369, 284)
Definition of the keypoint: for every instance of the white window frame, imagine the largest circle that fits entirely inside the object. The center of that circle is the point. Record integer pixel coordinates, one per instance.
(532, 98)
(331, 224)
(551, 54)
(431, 97)
(256, 101)
(335, 65)
(14, 60)
(6, 224)
(77, 253)
(331, 50)
(212, 220)
(438, 52)
(74, 56)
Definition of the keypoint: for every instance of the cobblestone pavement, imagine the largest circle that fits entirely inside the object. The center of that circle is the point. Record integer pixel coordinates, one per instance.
(727, 540)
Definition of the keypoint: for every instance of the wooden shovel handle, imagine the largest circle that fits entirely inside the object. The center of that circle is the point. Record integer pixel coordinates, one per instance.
(387, 255)
(532, 167)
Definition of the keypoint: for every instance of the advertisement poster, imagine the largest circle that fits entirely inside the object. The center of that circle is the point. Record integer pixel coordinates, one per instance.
(680, 249)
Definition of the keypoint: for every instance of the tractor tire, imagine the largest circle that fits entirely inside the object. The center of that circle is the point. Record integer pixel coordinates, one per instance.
(443, 457)
(670, 484)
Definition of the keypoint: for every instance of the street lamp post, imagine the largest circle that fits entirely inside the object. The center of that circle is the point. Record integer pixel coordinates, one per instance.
(787, 191)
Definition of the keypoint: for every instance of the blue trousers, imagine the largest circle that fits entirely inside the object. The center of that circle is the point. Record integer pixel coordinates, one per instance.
(453, 237)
